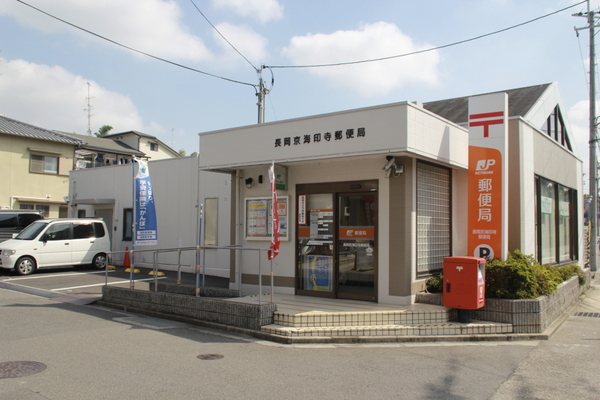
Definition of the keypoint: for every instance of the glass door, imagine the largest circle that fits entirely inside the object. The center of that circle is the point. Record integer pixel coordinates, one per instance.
(315, 243)
(356, 250)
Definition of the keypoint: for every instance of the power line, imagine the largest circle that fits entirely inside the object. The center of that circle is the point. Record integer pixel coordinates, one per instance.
(220, 34)
(427, 50)
(135, 50)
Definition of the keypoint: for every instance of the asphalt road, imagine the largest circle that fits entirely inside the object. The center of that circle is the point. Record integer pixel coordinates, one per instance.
(91, 352)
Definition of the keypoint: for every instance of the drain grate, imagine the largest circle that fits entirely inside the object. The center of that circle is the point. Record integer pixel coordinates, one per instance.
(17, 369)
(588, 314)
(210, 356)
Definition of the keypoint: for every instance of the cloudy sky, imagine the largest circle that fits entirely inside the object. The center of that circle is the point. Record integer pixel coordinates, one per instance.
(48, 66)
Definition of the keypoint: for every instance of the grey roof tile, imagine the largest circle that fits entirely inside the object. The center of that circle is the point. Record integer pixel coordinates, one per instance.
(13, 127)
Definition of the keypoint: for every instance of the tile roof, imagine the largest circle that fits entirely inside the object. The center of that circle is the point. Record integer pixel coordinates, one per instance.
(520, 102)
(104, 145)
(13, 127)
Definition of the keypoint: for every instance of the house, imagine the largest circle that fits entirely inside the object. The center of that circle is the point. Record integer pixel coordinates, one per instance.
(152, 147)
(372, 200)
(35, 167)
(96, 152)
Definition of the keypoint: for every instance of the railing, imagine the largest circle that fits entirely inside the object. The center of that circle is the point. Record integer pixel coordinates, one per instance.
(199, 268)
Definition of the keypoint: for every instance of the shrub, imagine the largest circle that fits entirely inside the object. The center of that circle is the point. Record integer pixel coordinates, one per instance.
(434, 284)
(521, 277)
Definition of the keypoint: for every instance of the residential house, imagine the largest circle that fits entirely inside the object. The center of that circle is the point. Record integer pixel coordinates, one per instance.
(35, 164)
(151, 146)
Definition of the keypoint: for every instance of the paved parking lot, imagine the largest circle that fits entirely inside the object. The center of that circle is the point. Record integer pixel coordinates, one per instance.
(84, 285)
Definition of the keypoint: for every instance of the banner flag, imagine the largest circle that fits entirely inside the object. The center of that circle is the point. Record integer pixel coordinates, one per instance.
(276, 240)
(145, 212)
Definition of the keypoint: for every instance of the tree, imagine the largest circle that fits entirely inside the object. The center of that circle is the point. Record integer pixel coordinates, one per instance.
(182, 153)
(103, 131)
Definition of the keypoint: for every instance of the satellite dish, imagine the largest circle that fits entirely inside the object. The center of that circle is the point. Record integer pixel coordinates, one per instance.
(80, 164)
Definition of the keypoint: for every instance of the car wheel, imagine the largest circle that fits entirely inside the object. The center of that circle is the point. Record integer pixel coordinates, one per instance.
(99, 261)
(25, 266)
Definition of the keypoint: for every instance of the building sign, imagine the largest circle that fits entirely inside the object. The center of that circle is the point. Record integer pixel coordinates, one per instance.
(487, 196)
(316, 138)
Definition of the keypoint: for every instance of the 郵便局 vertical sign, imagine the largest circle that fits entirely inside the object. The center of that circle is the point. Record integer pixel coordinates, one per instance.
(487, 195)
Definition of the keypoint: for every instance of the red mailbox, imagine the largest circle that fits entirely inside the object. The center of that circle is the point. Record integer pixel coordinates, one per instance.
(464, 282)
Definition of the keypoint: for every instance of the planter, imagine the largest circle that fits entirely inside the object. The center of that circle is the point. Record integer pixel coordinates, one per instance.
(526, 316)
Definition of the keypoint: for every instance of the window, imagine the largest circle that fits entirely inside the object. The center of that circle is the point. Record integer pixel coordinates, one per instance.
(127, 224)
(38, 207)
(43, 164)
(433, 217)
(556, 230)
(210, 211)
(555, 128)
(83, 231)
(58, 232)
(154, 146)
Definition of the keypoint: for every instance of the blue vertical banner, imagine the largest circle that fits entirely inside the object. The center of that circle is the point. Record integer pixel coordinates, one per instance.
(146, 232)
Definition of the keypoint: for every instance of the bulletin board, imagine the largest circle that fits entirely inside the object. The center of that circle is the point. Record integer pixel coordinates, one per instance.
(259, 221)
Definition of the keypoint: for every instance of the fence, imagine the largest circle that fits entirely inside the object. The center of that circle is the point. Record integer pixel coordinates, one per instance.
(200, 267)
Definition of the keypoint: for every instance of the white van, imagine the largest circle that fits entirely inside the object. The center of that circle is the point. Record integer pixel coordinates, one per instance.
(57, 242)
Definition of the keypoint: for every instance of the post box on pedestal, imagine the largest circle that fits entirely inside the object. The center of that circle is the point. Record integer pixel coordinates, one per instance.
(464, 283)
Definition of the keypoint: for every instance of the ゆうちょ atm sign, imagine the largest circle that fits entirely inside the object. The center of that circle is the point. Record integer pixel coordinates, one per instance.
(487, 176)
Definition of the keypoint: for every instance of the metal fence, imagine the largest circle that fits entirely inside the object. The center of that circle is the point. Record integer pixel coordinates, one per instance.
(200, 266)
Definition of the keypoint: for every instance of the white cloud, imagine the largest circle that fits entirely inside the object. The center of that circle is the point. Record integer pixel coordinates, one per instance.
(53, 98)
(251, 44)
(151, 26)
(261, 10)
(371, 41)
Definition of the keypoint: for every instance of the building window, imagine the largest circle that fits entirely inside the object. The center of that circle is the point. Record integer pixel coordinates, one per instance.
(556, 230)
(127, 224)
(433, 217)
(43, 164)
(45, 209)
(154, 146)
(555, 128)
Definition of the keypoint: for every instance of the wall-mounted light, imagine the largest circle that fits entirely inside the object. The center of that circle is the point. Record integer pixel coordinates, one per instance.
(248, 183)
(391, 168)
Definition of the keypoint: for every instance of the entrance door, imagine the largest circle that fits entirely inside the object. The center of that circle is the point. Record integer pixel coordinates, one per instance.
(356, 256)
(336, 232)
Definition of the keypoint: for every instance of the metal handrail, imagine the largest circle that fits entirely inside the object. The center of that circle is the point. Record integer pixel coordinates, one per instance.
(199, 269)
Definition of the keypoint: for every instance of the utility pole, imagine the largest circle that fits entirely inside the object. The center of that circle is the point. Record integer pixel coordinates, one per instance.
(593, 212)
(262, 92)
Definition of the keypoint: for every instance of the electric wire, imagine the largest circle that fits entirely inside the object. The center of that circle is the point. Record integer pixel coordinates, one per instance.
(224, 38)
(429, 49)
(137, 51)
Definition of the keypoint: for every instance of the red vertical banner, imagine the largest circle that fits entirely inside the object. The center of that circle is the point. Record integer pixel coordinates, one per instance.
(276, 240)
(488, 176)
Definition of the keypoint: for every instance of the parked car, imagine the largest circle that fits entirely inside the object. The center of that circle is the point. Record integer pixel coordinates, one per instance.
(14, 221)
(57, 242)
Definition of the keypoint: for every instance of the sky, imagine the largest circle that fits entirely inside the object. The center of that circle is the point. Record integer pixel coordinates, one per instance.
(54, 75)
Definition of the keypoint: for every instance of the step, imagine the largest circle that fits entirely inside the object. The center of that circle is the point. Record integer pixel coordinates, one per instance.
(429, 329)
(364, 318)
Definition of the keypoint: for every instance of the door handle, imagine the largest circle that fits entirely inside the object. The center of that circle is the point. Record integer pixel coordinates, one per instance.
(66, 244)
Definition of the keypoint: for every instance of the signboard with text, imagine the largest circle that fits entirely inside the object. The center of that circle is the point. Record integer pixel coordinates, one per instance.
(487, 196)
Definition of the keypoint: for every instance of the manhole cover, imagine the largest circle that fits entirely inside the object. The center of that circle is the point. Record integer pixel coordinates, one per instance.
(210, 356)
(17, 369)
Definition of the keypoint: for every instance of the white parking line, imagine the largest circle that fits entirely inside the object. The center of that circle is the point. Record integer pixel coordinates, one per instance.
(55, 275)
(102, 284)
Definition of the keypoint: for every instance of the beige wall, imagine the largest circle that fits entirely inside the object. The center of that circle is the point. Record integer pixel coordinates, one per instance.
(39, 188)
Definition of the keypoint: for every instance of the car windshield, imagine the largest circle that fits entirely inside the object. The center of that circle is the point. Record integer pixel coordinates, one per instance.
(32, 231)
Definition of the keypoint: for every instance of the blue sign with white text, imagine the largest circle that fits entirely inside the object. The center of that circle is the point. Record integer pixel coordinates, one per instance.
(145, 212)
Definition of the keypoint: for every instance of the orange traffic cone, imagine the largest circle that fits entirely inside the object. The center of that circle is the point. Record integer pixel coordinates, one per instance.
(126, 263)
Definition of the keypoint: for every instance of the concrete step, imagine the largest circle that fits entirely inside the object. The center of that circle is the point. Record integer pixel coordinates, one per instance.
(364, 318)
(383, 330)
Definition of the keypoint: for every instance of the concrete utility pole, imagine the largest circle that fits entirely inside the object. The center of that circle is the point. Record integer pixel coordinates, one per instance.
(593, 212)
(262, 92)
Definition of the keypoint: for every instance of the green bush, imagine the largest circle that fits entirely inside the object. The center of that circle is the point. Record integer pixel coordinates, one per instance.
(521, 277)
(434, 284)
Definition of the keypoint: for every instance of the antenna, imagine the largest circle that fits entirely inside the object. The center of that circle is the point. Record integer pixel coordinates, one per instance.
(89, 112)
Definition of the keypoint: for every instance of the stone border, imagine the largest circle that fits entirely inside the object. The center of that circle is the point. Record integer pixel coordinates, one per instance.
(526, 316)
(219, 311)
